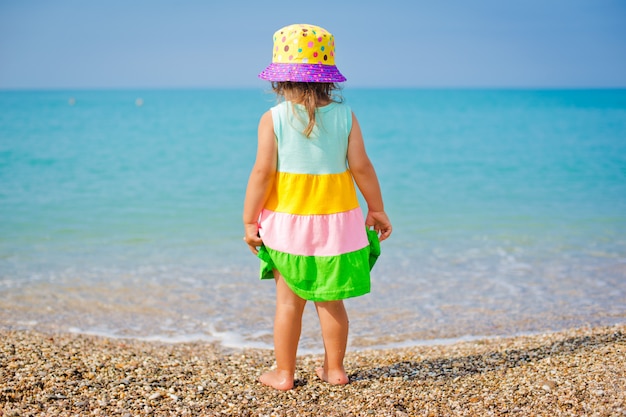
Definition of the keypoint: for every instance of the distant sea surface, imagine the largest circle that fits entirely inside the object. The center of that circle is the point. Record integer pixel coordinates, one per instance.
(120, 214)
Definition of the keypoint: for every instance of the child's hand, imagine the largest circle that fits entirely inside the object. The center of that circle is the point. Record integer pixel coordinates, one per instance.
(380, 222)
(251, 237)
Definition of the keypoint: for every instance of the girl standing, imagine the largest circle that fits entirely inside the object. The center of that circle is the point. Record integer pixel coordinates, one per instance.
(301, 213)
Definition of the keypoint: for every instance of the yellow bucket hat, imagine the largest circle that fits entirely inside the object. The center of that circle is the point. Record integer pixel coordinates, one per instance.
(303, 53)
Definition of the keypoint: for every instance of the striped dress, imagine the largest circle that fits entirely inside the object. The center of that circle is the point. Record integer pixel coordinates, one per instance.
(312, 227)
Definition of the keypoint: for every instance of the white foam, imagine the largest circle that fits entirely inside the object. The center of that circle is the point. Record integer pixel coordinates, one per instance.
(226, 339)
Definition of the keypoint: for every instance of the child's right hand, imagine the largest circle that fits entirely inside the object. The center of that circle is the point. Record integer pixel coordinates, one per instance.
(380, 222)
(252, 238)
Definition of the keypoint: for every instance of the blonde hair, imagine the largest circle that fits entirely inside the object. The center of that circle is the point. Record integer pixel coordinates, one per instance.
(311, 95)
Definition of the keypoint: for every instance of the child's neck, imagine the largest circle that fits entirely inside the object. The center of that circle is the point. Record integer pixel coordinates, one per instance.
(293, 99)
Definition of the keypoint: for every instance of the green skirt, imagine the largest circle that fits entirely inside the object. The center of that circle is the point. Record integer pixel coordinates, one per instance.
(323, 278)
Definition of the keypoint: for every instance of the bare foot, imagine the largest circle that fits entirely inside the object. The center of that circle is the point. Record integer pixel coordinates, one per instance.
(334, 377)
(280, 380)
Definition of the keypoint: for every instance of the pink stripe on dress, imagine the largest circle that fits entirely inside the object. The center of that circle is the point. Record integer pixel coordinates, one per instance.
(314, 235)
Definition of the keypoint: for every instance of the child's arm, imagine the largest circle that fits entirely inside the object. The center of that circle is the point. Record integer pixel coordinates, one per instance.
(367, 181)
(260, 181)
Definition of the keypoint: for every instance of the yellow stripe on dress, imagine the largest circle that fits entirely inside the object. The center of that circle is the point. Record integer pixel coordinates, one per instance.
(306, 194)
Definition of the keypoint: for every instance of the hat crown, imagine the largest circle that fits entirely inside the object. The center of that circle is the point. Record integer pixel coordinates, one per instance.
(303, 44)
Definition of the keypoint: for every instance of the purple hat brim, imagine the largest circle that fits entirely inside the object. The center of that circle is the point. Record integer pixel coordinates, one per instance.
(308, 73)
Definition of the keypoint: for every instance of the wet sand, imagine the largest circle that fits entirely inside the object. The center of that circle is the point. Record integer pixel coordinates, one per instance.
(578, 372)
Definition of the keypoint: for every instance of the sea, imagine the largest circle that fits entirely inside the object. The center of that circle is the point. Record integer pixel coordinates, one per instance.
(120, 214)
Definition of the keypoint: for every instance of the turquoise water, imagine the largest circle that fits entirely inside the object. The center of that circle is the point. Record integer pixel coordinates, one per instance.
(509, 209)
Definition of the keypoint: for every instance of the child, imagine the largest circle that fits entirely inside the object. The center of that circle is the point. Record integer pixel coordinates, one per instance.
(301, 212)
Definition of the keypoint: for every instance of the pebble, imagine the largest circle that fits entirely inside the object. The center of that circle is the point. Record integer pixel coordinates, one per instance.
(573, 372)
(155, 396)
(548, 385)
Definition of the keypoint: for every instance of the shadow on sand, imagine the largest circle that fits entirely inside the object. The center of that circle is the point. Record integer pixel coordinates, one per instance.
(450, 368)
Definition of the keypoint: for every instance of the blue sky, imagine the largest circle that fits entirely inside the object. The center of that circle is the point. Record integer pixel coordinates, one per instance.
(169, 44)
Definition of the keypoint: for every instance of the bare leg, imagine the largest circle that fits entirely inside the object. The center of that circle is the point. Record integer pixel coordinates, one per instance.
(334, 323)
(287, 327)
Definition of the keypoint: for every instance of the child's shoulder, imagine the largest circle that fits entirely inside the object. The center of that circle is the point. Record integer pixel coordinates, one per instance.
(278, 108)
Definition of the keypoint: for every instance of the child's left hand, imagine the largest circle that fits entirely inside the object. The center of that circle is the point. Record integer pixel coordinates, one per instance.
(251, 237)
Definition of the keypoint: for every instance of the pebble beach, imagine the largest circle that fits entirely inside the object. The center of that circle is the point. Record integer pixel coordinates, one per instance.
(577, 372)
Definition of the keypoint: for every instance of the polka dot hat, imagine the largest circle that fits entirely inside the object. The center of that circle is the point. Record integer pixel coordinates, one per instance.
(303, 53)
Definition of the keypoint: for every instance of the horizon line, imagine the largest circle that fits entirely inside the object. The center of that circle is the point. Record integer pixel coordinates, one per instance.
(342, 87)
